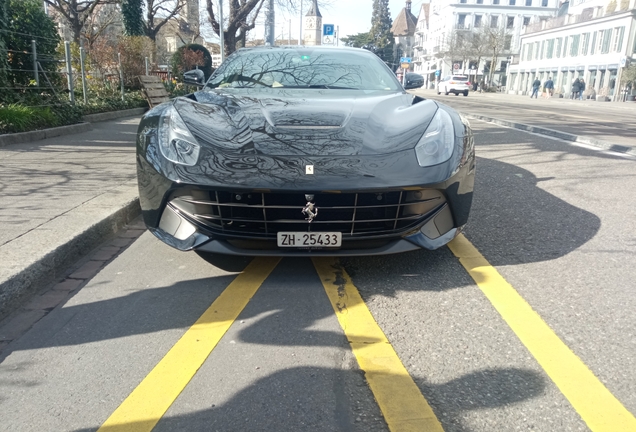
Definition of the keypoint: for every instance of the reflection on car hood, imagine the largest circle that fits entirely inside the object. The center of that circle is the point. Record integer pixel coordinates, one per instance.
(311, 122)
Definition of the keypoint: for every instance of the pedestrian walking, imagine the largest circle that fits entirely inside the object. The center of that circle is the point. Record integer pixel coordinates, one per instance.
(535, 88)
(549, 87)
(581, 88)
(576, 88)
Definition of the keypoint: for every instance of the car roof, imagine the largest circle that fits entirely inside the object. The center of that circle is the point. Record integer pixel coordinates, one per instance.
(305, 47)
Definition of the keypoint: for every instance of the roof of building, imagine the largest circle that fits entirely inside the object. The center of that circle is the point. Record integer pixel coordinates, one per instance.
(313, 10)
(405, 23)
(424, 13)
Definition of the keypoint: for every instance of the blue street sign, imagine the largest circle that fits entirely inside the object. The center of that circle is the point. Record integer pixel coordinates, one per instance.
(328, 30)
(405, 59)
(437, 72)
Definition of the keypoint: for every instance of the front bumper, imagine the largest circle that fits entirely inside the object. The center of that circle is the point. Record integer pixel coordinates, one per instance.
(185, 206)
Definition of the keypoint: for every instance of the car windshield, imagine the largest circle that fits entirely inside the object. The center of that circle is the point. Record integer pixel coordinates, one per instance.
(460, 78)
(304, 68)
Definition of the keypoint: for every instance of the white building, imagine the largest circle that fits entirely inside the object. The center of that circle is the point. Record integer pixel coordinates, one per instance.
(439, 22)
(403, 30)
(313, 26)
(593, 41)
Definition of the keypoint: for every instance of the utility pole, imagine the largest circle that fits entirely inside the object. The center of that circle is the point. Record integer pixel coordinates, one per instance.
(221, 34)
(289, 34)
(300, 32)
(270, 23)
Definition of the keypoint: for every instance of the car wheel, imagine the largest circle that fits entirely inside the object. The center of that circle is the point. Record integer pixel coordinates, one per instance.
(438, 91)
(456, 94)
(466, 93)
(446, 91)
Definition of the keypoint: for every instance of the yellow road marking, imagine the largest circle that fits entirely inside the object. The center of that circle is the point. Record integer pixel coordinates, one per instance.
(589, 397)
(145, 406)
(400, 400)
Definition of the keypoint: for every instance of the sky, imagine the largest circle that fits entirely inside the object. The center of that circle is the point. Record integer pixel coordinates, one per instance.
(352, 16)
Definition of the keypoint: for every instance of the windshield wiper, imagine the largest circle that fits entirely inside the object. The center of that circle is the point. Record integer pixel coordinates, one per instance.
(322, 86)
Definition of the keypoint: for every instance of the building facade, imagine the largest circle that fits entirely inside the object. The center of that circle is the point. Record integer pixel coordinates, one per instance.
(312, 34)
(403, 30)
(179, 31)
(595, 40)
(443, 22)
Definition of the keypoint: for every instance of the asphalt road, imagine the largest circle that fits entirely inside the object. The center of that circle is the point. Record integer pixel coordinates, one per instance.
(598, 120)
(555, 220)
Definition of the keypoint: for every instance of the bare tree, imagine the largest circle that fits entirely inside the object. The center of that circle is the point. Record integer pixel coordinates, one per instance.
(159, 13)
(100, 24)
(242, 17)
(495, 39)
(76, 13)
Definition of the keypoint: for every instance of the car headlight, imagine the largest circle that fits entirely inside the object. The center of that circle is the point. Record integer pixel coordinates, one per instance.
(175, 140)
(436, 146)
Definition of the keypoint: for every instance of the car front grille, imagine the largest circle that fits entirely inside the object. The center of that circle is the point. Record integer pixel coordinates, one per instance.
(263, 214)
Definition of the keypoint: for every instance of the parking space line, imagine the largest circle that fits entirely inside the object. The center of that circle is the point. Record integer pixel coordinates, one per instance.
(147, 403)
(596, 405)
(400, 400)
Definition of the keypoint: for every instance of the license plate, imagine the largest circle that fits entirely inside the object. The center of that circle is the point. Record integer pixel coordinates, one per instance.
(309, 239)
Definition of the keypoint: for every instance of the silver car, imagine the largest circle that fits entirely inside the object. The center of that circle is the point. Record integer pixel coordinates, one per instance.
(454, 84)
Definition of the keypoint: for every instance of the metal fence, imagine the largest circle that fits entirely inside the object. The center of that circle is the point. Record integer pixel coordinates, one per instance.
(59, 77)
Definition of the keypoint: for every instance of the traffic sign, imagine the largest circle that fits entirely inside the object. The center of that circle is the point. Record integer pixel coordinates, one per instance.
(328, 30)
(405, 59)
(405, 65)
(327, 40)
(455, 66)
(437, 72)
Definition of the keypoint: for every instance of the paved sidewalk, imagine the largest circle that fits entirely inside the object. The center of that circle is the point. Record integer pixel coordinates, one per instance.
(612, 122)
(60, 198)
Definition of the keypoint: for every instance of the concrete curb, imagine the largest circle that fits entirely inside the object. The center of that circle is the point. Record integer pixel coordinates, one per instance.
(38, 135)
(41, 256)
(112, 115)
(605, 145)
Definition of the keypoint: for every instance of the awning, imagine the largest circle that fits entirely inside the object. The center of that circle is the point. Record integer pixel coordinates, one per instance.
(580, 68)
(554, 69)
(564, 68)
(571, 68)
(592, 67)
(541, 69)
(602, 67)
(612, 67)
(533, 70)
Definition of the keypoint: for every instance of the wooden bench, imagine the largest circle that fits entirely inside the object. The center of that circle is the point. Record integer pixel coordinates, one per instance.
(154, 90)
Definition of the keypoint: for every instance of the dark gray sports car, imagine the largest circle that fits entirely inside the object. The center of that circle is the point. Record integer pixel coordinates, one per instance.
(304, 151)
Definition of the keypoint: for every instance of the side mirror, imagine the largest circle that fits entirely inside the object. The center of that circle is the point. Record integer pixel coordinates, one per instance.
(194, 77)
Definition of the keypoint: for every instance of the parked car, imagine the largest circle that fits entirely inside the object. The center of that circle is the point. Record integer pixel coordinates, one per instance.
(304, 151)
(414, 80)
(454, 84)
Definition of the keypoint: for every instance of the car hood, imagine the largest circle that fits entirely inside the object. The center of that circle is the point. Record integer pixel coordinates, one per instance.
(280, 122)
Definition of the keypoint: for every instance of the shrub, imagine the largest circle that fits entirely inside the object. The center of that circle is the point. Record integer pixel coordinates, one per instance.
(189, 57)
(19, 118)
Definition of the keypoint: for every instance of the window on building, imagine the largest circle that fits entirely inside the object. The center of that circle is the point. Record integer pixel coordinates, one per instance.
(574, 46)
(495, 2)
(512, 2)
(593, 44)
(510, 22)
(559, 46)
(566, 40)
(544, 3)
(508, 42)
(462, 1)
(586, 44)
(599, 41)
(617, 43)
(477, 21)
(526, 21)
(550, 50)
(607, 37)
(494, 21)
(542, 51)
(461, 21)
(479, 1)
(528, 2)
(171, 44)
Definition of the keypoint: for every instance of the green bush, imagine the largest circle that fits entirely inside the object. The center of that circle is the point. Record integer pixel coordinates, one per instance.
(18, 118)
(189, 57)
